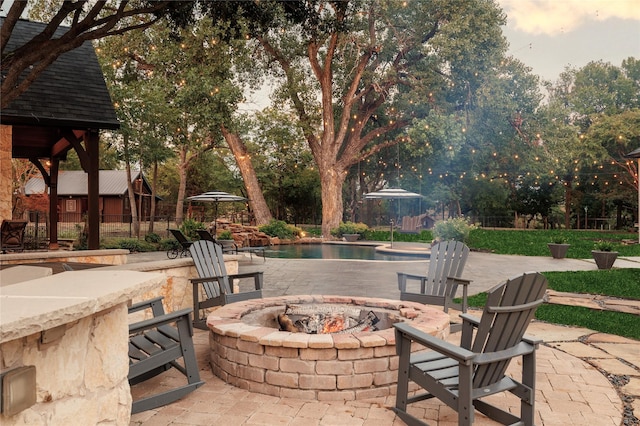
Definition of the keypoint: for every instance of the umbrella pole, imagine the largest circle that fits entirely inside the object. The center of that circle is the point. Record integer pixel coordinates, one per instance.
(215, 221)
(391, 233)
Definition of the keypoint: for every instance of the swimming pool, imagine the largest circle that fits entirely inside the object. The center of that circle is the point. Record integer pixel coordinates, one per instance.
(334, 251)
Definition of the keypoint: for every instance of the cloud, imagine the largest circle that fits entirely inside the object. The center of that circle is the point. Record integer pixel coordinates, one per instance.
(552, 17)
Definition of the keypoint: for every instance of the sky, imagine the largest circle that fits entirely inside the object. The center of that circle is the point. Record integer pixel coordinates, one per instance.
(548, 35)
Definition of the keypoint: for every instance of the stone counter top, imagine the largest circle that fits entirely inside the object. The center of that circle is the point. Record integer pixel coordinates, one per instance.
(33, 306)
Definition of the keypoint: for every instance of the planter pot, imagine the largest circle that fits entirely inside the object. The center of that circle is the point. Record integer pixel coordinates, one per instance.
(604, 259)
(227, 244)
(558, 251)
(351, 237)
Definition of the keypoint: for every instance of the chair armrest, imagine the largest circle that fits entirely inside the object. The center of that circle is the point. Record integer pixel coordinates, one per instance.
(475, 321)
(404, 330)
(203, 279)
(257, 277)
(402, 280)
(460, 281)
(146, 304)
(532, 340)
(520, 349)
(137, 327)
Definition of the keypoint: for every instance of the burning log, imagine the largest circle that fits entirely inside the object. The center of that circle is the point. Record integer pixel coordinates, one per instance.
(313, 319)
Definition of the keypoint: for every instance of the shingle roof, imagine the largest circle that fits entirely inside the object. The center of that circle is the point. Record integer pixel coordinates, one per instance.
(71, 92)
(71, 182)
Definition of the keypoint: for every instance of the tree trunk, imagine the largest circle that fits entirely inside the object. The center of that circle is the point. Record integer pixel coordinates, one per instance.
(254, 192)
(331, 181)
(132, 197)
(154, 183)
(182, 173)
(567, 206)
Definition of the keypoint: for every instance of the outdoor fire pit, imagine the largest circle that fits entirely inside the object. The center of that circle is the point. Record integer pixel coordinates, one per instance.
(315, 347)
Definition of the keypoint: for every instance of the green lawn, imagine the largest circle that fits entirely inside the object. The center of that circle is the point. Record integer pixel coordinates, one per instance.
(534, 242)
(622, 283)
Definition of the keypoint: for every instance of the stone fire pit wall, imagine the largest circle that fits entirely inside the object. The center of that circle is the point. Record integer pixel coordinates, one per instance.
(321, 367)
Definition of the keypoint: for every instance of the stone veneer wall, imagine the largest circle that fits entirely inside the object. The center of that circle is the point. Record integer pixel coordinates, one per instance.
(104, 257)
(73, 328)
(177, 290)
(79, 381)
(6, 181)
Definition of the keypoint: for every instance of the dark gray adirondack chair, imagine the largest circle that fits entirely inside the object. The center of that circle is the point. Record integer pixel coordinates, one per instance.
(217, 284)
(259, 251)
(155, 346)
(441, 283)
(460, 375)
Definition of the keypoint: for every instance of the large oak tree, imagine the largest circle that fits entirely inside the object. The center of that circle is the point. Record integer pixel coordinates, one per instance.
(357, 73)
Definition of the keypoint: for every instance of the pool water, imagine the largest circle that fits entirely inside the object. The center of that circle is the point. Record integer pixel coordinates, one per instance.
(333, 251)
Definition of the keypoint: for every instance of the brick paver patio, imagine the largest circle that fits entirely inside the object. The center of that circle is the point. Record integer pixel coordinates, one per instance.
(583, 377)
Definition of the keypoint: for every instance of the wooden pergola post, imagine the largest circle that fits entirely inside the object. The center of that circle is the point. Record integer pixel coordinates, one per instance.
(93, 189)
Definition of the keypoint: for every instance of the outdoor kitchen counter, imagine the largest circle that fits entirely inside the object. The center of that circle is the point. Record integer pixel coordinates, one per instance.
(45, 303)
(73, 328)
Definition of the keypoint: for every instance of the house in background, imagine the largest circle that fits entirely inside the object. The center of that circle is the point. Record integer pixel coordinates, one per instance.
(113, 195)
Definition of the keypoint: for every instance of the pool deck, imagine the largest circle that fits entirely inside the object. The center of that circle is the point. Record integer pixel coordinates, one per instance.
(583, 377)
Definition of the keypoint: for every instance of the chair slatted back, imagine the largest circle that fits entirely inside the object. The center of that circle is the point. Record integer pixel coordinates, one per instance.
(182, 239)
(208, 260)
(509, 309)
(205, 235)
(447, 260)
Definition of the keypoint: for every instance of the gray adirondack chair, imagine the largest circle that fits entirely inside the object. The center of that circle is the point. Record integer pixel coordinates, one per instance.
(441, 283)
(155, 346)
(461, 375)
(216, 283)
(233, 248)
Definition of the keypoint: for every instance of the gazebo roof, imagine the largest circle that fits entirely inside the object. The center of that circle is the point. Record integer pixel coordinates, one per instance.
(70, 94)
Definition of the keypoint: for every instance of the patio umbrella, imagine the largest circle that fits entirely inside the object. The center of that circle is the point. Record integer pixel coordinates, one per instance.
(216, 197)
(391, 194)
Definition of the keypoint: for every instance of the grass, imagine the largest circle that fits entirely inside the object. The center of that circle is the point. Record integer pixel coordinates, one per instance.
(623, 283)
(534, 242)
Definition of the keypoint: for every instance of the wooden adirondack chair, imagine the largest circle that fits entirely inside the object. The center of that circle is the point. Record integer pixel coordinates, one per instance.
(441, 283)
(460, 375)
(155, 346)
(12, 235)
(217, 284)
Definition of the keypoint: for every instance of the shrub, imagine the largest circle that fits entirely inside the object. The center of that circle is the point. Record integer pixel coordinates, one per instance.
(452, 229)
(189, 227)
(225, 235)
(603, 245)
(349, 228)
(152, 237)
(559, 239)
(280, 229)
(132, 244)
(168, 244)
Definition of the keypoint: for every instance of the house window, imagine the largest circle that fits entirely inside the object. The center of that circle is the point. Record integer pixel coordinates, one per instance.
(70, 205)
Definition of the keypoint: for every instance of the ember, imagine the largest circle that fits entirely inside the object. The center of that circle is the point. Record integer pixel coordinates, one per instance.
(325, 319)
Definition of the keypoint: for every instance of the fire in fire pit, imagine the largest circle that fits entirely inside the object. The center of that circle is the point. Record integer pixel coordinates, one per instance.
(324, 319)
